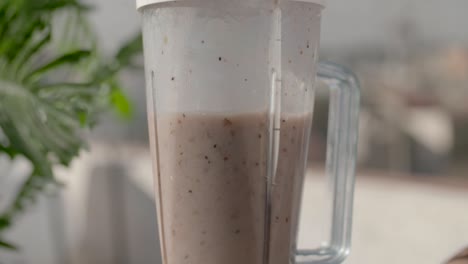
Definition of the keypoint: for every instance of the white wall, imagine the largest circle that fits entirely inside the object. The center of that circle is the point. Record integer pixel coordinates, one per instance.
(346, 23)
(349, 23)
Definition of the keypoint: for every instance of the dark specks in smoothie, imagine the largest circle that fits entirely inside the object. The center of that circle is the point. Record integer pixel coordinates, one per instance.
(182, 153)
(232, 132)
(294, 127)
(301, 52)
(308, 45)
(220, 58)
(183, 115)
(202, 42)
(173, 79)
(233, 168)
(245, 79)
(227, 122)
(285, 150)
(289, 61)
(237, 65)
(186, 256)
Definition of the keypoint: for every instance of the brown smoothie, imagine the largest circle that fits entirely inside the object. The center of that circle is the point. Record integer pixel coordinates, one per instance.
(212, 188)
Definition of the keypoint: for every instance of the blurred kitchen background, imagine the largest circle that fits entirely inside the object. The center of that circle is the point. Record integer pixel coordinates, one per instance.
(411, 201)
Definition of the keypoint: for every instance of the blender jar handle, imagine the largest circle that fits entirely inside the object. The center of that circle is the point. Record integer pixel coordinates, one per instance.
(340, 163)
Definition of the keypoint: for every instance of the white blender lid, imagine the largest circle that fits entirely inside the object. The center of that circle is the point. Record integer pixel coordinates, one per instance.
(142, 3)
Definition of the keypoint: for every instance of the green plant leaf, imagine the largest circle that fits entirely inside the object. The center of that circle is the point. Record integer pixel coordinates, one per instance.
(70, 58)
(4, 222)
(122, 58)
(11, 154)
(128, 51)
(120, 103)
(32, 49)
(8, 245)
(51, 5)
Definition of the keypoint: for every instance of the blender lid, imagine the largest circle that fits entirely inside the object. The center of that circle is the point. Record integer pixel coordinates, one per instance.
(142, 3)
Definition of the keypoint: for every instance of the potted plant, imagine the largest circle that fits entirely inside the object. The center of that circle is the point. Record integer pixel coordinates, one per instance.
(53, 85)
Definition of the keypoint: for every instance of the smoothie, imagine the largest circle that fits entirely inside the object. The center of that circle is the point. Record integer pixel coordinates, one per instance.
(217, 202)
